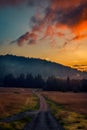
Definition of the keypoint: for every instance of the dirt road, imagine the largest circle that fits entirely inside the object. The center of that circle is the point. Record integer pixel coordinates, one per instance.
(43, 119)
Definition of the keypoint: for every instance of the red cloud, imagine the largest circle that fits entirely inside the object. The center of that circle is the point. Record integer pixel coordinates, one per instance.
(28, 37)
(58, 15)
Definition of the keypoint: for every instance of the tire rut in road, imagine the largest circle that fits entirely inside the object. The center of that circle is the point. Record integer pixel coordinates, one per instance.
(52, 123)
(43, 121)
(39, 123)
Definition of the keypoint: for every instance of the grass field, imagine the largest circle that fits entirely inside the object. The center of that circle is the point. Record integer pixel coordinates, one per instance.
(73, 101)
(13, 101)
(70, 109)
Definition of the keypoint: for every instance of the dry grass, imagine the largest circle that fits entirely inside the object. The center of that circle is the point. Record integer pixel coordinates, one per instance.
(13, 100)
(76, 102)
(70, 109)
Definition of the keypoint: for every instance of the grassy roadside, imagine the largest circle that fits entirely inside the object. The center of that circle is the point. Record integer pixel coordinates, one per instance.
(32, 104)
(68, 119)
(15, 125)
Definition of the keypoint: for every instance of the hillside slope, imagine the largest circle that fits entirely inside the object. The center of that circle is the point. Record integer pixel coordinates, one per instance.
(17, 65)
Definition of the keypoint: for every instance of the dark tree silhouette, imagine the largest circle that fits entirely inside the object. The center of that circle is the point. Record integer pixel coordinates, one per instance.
(9, 81)
(21, 80)
(84, 85)
(39, 82)
(51, 84)
(29, 82)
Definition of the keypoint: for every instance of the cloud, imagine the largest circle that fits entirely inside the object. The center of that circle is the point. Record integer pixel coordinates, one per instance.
(82, 67)
(73, 17)
(79, 65)
(54, 17)
(71, 13)
(80, 37)
(28, 37)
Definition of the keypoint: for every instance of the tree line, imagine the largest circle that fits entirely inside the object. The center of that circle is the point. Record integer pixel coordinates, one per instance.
(51, 84)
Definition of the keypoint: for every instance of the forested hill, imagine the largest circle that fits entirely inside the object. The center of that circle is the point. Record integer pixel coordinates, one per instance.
(16, 65)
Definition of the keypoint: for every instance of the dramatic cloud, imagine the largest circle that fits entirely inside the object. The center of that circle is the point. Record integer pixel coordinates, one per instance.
(71, 13)
(64, 15)
(55, 17)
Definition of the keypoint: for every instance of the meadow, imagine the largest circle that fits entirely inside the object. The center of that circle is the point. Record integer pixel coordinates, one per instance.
(13, 101)
(73, 101)
(69, 109)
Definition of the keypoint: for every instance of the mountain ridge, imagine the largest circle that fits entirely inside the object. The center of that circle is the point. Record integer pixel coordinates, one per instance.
(36, 59)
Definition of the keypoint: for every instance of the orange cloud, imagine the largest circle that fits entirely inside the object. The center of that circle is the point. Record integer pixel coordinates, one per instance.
(70, 15)
(80, 37)
(80, 28)
(58, 15)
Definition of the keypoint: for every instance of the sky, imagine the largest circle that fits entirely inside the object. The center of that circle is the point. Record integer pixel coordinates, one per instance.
(55, 30)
